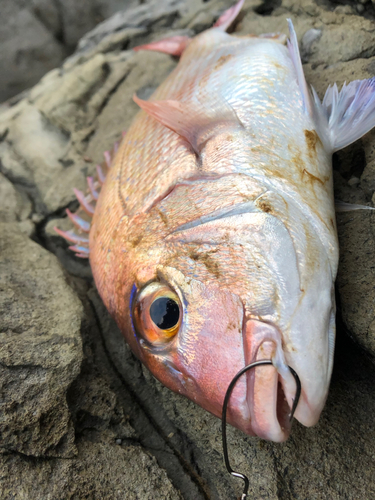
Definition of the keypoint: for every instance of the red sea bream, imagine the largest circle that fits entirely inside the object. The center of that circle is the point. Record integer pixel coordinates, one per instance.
(213, 241)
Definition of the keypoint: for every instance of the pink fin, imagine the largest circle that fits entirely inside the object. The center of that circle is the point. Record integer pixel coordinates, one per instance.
(87, 201)
(85, 204)
(91, 185)
(71, 236)
(108, 159)
(80, 223)
(227, 18)
(81, 251)
(101, 176)
(194, 121)
(174, 45)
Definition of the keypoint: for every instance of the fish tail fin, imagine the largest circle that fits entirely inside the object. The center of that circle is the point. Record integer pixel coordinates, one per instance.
(350, 112)
(175, 45)
(81, 219)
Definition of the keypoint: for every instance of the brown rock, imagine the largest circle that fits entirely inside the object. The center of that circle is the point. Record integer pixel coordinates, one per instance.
(121, 471)
(40, 348)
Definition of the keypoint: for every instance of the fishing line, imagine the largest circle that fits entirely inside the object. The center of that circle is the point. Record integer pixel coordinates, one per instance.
(224, 416)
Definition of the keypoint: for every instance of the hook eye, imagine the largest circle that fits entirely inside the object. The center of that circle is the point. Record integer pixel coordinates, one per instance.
(224, 416)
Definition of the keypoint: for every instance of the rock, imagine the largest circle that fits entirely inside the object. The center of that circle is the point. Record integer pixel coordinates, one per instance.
(36, 36)
(312, 35)
(356, 274)
(80, 17)
(40, 349)
(49, 15)
(75, 400)
(28, 48)
(14, 204)
(124, 472)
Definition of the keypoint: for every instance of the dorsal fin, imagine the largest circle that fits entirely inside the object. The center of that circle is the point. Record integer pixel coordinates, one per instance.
(81, 219)
(194, 121)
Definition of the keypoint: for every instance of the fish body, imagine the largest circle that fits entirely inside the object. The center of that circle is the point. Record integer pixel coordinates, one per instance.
(213, 243)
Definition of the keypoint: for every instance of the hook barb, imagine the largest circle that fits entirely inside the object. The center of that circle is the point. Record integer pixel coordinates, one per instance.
(224, 416)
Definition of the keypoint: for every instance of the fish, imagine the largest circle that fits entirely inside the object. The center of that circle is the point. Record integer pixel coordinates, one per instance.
(211, 228)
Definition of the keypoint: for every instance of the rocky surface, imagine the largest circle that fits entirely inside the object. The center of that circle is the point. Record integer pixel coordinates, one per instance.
(79, 416)
(37, 35)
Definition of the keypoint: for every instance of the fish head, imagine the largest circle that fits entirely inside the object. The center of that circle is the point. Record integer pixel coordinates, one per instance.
(199, 300)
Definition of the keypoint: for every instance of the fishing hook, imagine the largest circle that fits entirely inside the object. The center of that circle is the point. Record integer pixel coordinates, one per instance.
(224, 416)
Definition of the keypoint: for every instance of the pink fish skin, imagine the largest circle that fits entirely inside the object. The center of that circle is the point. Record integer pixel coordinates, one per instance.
(213, 243)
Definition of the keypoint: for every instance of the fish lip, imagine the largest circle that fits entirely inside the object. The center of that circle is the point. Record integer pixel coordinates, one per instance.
(267, 392)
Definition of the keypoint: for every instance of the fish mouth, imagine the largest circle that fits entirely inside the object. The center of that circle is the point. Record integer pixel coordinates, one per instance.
(262, 400)
(270, 389)
(268, 406)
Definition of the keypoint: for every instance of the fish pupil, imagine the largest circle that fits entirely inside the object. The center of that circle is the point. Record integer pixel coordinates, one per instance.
(165, 313)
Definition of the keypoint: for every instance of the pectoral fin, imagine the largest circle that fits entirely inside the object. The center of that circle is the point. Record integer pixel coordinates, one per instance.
(292, 44)
(196, 120)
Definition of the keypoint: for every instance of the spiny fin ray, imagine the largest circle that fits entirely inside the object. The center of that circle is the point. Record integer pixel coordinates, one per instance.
(86, 209)
(71, 236)
(78, 221)
(84, 202)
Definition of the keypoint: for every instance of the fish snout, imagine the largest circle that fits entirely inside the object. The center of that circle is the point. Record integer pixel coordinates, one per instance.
(270, 389)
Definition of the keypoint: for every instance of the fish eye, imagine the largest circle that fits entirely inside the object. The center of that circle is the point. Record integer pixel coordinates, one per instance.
(157, 313)
(165, 313)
